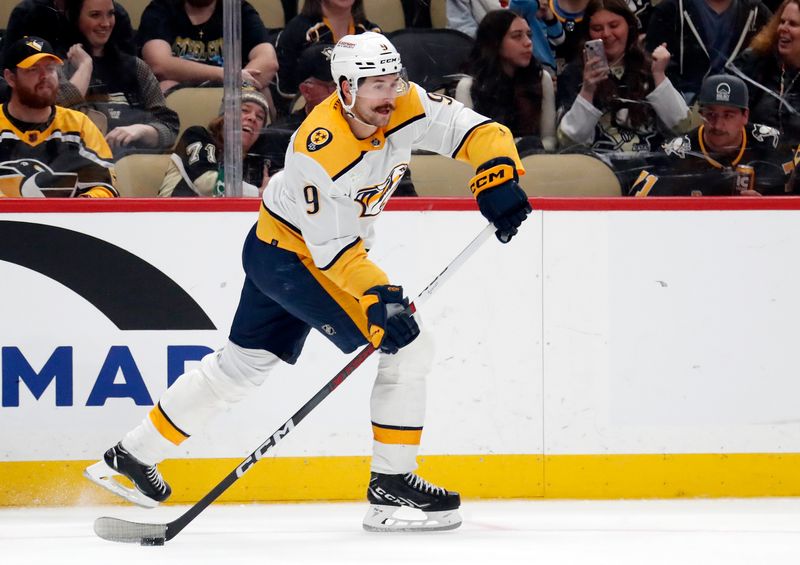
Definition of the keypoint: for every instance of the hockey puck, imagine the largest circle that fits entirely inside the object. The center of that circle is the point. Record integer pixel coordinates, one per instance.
(153, 541)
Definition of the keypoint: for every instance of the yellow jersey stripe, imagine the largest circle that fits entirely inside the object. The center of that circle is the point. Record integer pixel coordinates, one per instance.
(165, 426)
(396, 435)
(346, 301)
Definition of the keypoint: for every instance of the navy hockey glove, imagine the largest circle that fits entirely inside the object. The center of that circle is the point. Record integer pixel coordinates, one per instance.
(500, 198)
(388, 331)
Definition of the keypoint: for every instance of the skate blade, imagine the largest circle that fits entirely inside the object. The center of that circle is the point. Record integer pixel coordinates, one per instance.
(381, 518)
(101, 475)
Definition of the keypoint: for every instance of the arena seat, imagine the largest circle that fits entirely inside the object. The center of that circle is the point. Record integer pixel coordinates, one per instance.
(432, 56)
(546, 175)
(195, 106)
(438, 13)
(271, 12)
(568, 175)
(388, 14)
(437, 175)
(140, 175)
(135, 8)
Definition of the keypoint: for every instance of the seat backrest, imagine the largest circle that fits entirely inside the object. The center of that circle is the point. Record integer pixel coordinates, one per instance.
(135, 8)
(568, 175)
(195, 106)
(430, 55)
(140, 175)
(438, 13)
(388, 14)
(437, 175)
(271, 12)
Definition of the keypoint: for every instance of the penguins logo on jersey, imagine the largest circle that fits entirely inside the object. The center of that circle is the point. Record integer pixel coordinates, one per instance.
(678, 146)
(32, 178)
(318, 139)
(374, 198)
(763, 133)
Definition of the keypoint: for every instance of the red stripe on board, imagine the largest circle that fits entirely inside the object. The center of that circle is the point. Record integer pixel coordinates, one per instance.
(86, 205)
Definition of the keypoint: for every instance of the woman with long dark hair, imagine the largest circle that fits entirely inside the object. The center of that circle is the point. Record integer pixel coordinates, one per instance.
(320, 21)
(505, 82)
(773, 61)
(625, 103)
(101, 74)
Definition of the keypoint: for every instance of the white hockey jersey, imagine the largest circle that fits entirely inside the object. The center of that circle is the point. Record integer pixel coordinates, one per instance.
(324, 203)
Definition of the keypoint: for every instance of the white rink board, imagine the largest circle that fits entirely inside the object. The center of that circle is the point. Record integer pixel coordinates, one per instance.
(484, 392)
(671, 332)
(664, 332)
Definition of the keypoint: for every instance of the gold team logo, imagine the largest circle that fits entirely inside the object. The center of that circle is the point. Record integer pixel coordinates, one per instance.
(374, 198)
(318, 139)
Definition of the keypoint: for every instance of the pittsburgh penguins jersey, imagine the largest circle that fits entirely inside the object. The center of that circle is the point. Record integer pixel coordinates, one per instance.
(324, 203)
(69, 157)
(685, 166)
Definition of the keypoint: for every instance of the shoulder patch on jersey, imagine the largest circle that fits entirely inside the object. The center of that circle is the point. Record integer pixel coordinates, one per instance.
(678, 146)
(764, 133)
(318, 139)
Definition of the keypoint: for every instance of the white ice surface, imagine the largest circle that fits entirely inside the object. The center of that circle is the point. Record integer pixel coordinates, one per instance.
(751, 531)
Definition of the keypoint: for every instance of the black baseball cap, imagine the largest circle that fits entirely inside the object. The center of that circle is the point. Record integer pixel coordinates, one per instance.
(315, 62)
(724, 90)
(26, 52)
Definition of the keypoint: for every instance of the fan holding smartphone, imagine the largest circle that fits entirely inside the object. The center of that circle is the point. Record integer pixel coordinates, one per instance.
(616, 97)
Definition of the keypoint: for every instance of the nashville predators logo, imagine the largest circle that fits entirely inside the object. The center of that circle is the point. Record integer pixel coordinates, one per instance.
(31, 178)
(318, 139)
(374, 198)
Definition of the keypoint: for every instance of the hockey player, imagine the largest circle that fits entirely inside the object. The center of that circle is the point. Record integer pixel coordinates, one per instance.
(307, 266)
(725, 156)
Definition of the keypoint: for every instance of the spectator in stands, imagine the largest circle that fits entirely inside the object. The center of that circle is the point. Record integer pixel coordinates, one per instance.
(320, 21)
(196, 164)
(101, 76)
(48, 19)
(703, 35)
(313, 70)
(465, 15)
(47, 150)
(546, 31)
(726, 155)
(506, 83)
(626, 104)
(181, 40)
(570, 14)
(773, 61)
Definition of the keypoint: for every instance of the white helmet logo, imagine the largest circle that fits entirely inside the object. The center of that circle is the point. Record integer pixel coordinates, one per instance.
(723, 92)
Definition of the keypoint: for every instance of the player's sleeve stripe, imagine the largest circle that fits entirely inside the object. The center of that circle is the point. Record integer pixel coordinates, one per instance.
(281, 220)
(404, 124)
(466, 136)
(348, 167)
(342, 252)
(166, 427)
(396, 435)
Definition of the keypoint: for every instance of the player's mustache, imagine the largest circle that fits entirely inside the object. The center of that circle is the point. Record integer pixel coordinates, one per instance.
(385, 107)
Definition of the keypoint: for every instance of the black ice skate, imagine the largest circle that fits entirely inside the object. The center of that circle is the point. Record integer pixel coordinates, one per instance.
(150, 486)
(393, 494)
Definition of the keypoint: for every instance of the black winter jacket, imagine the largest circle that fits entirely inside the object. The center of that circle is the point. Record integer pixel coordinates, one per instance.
(678, 24)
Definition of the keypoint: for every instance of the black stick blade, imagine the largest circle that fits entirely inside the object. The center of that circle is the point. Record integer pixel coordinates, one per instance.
(122, 531)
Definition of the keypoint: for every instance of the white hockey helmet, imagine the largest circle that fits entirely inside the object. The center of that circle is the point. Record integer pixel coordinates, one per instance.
(365, 55)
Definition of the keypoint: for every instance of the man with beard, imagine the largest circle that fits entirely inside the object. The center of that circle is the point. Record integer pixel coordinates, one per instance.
(181, 40)
(725, 156)
(306, 266)
(47, 150)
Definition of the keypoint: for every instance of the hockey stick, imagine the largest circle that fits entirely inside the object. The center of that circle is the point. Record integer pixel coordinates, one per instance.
(116, 529)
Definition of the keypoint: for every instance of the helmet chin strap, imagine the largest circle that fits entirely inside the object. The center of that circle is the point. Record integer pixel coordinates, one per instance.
(350, 110)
